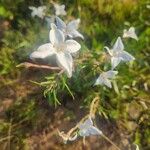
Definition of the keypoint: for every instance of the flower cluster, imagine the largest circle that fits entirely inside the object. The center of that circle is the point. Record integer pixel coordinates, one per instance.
(85, 127)
(117, 54)
(62, 47)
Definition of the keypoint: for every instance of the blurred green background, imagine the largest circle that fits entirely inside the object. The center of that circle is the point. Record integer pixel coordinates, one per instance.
(26, 115)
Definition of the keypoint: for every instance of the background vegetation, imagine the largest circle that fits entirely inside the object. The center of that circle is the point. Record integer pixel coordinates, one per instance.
(28, 120)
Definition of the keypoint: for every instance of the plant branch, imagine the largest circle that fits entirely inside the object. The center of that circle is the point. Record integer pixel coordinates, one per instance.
(32, 65)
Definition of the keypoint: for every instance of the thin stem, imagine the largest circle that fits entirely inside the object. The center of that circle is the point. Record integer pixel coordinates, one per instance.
(5, 138)
(105, 137)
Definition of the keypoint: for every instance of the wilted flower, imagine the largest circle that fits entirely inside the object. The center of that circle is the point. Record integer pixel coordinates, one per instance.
(104, 77)
(66, 137)
(60, 48)
(59, 9)
(130, 33)
(38, 11)
(70, 29)
(118, 54)
(87, 128)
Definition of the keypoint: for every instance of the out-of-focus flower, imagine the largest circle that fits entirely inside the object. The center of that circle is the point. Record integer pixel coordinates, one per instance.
(38, 11)
(87, 128)
(59, 9)
(130, 33)
(70, 29)
(118, 54)
(104, 77)
(148, 6)
(60, 48)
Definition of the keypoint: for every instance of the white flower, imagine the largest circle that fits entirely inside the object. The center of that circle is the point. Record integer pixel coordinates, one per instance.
(130, 33)
(59, 9)
(87, 128)
(118, 54)
(60, 48)
(38, 11)
(70, 29)
(148, 6)
(104, 77)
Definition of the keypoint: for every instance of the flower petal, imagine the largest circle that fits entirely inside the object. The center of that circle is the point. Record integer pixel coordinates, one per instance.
(126, 56)
(110, 74)
(60, 9)
(118, 46)
(107, 83)
(94, 131)
(73, 25)
(88, 122)
(90, 131)
(115, 61)
(75, 33)
(130, 33)
(60, 24)
(43, 51)
(72, 46)
(99, 81)
(56, 36)
(65, 61)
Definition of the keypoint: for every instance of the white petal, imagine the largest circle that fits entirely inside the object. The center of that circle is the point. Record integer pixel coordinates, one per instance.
(43, 51)
(53, 26)
(60, 9)
(75, 33)
(41, 11)
(73, 25)
(42, 8)
(126, 56)
(110, 74)
(72, 46)
(130, 33)
(107, 83)
(99, 81)
(32, 8)
(94, 131)
(56, 36)
(60, 24)
(90, 131)
(115, 61)
(33, 14)
(88, 122)
(132, 30)
(83, 132)
(65, 61)
(118, 46)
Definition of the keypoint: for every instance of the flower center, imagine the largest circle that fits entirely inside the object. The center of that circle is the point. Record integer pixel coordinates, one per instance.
(60, 47)
(115, 53)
